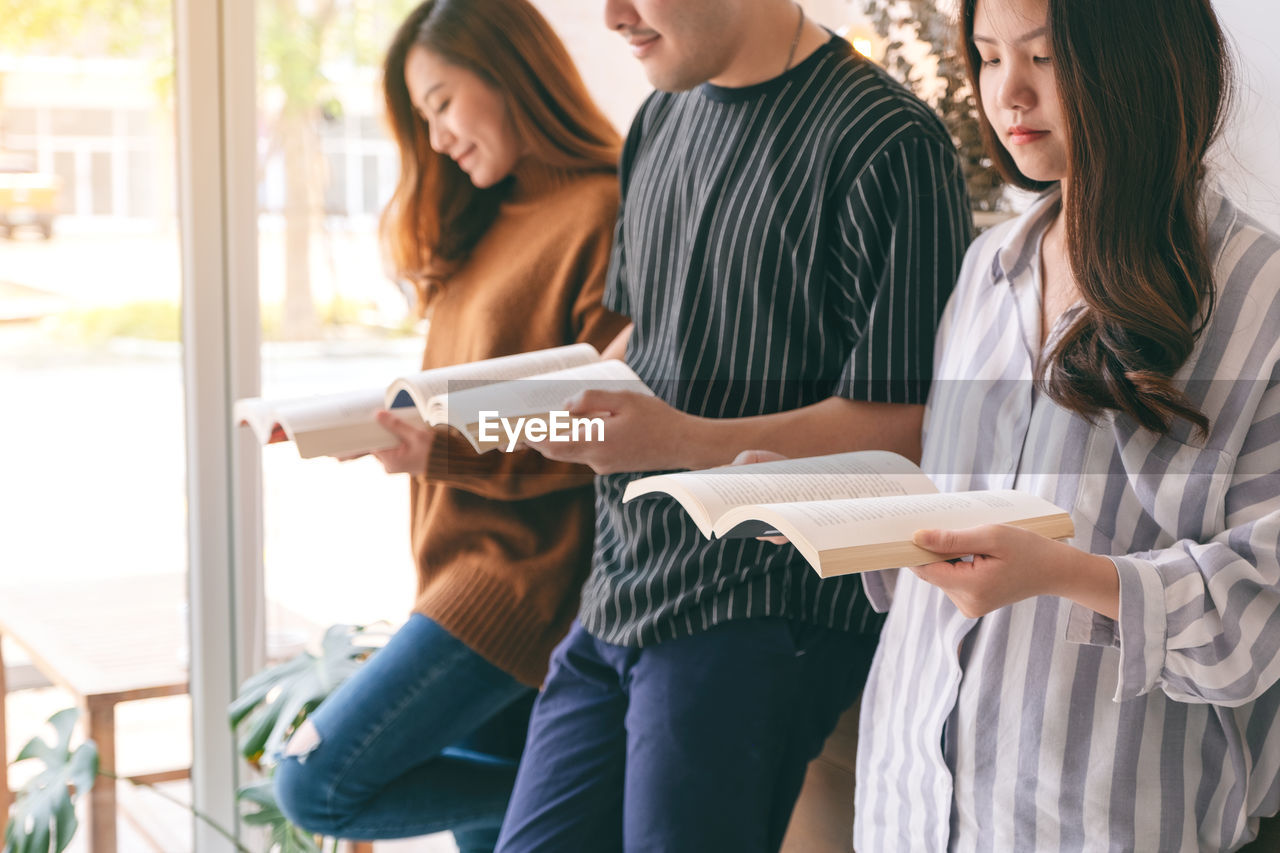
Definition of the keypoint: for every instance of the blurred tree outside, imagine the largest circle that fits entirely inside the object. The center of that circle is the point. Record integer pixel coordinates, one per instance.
(86, 27)
(302, 44)
(140, 29)
(923, 53)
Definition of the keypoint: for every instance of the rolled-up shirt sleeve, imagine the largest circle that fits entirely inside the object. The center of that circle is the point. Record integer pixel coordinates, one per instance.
(1201, 620)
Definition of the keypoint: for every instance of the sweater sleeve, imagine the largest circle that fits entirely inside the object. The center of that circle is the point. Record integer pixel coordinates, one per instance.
(525, 474)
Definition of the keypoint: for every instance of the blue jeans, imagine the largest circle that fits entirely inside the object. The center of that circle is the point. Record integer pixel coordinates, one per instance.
(424, 738)
(697, 744)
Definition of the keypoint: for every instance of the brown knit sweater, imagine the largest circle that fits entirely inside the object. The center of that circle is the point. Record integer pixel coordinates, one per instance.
(503, 540)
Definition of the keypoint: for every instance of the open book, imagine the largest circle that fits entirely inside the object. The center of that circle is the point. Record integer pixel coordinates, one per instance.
(489, 402)
(845, 513)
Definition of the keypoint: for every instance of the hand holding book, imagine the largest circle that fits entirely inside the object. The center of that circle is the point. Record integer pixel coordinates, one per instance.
(410, 455)
(510, 388)
(990, 566)
(639, 432)
(1011, 564)
(751, 457)
(847, 512)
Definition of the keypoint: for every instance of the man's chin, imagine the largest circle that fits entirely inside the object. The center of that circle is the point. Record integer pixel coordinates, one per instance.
(672, 77)
(667, 81)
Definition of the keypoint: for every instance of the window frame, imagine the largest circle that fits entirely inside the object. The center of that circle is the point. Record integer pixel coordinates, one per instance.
(215, 104)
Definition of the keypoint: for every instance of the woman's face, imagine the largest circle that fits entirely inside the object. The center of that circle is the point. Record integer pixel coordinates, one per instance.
(467, 119)
(1019, 92)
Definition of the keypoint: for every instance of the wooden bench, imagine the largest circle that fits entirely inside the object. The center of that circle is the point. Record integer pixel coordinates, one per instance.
(105, 641)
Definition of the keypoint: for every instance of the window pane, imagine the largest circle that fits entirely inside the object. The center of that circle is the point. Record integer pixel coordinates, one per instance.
(101, 163)
(64, 166)
(93, 558)
(335, 534)
(19, 122)
(71, 121)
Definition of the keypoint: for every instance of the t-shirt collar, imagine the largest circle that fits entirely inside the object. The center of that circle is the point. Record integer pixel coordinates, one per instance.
(730, 94)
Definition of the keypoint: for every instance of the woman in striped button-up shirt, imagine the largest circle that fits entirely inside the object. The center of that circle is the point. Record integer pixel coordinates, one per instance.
(1116, 351)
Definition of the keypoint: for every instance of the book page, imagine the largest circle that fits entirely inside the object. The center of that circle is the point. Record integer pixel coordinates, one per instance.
(339, 424)
(860, 474)
(841, 523)
(284, 420)
(419, 388)
(348, 440)
(260, 416)
(310, 414)
(534, 395)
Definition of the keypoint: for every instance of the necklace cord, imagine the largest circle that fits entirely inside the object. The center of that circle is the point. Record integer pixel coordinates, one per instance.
(795, 40)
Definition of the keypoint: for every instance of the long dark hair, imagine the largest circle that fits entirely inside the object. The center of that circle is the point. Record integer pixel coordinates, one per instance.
(1144, 86)
(436, 216)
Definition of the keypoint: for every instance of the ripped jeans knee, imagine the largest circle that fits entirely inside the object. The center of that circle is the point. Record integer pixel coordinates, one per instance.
(304, 792)
(303, 742)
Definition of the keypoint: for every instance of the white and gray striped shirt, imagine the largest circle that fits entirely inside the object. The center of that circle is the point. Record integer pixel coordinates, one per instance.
(1043, 726)
(777, 244)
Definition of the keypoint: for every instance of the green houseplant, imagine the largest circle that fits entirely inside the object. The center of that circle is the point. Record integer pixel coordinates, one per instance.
(270, 707)
(923, 53)
(44, 813)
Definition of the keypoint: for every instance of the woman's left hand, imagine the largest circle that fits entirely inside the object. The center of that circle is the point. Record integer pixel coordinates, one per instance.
(1011, 564)
(410, 456)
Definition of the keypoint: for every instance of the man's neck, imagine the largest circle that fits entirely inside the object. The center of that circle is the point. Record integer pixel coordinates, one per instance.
(766, 46)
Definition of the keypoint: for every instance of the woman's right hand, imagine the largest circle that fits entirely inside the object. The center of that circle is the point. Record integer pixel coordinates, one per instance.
(750, 457)
(410, 456)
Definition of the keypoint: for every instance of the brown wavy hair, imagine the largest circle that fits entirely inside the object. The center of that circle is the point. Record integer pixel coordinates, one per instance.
(436, 216)
(1144, 86)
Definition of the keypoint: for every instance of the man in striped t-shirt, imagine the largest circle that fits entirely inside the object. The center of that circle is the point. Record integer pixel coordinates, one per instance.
(791, 226)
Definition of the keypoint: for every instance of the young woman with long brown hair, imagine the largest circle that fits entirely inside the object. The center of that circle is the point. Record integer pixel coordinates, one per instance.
(502, 219)
(1114, 350)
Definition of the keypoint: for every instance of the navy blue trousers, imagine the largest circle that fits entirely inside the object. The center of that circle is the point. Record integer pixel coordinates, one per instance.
(694, 744)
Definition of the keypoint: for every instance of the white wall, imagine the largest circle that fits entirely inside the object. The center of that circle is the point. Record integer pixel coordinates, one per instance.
(1250, 158)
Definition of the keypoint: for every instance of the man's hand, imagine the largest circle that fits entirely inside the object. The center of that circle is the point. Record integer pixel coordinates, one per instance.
(751, 457)
(641, 433)
(410, 456)
(1011, 564)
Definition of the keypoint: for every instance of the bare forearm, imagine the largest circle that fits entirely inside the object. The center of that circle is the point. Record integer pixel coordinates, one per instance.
(617, 348)
(1010, 564)
(1091, 581)
(835, 425)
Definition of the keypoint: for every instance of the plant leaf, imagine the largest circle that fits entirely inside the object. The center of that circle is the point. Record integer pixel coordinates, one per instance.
(44, 810)
(285, 837)
(274, 702)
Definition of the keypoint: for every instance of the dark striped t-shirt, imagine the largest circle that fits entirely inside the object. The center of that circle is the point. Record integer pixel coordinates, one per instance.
(777, 245)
